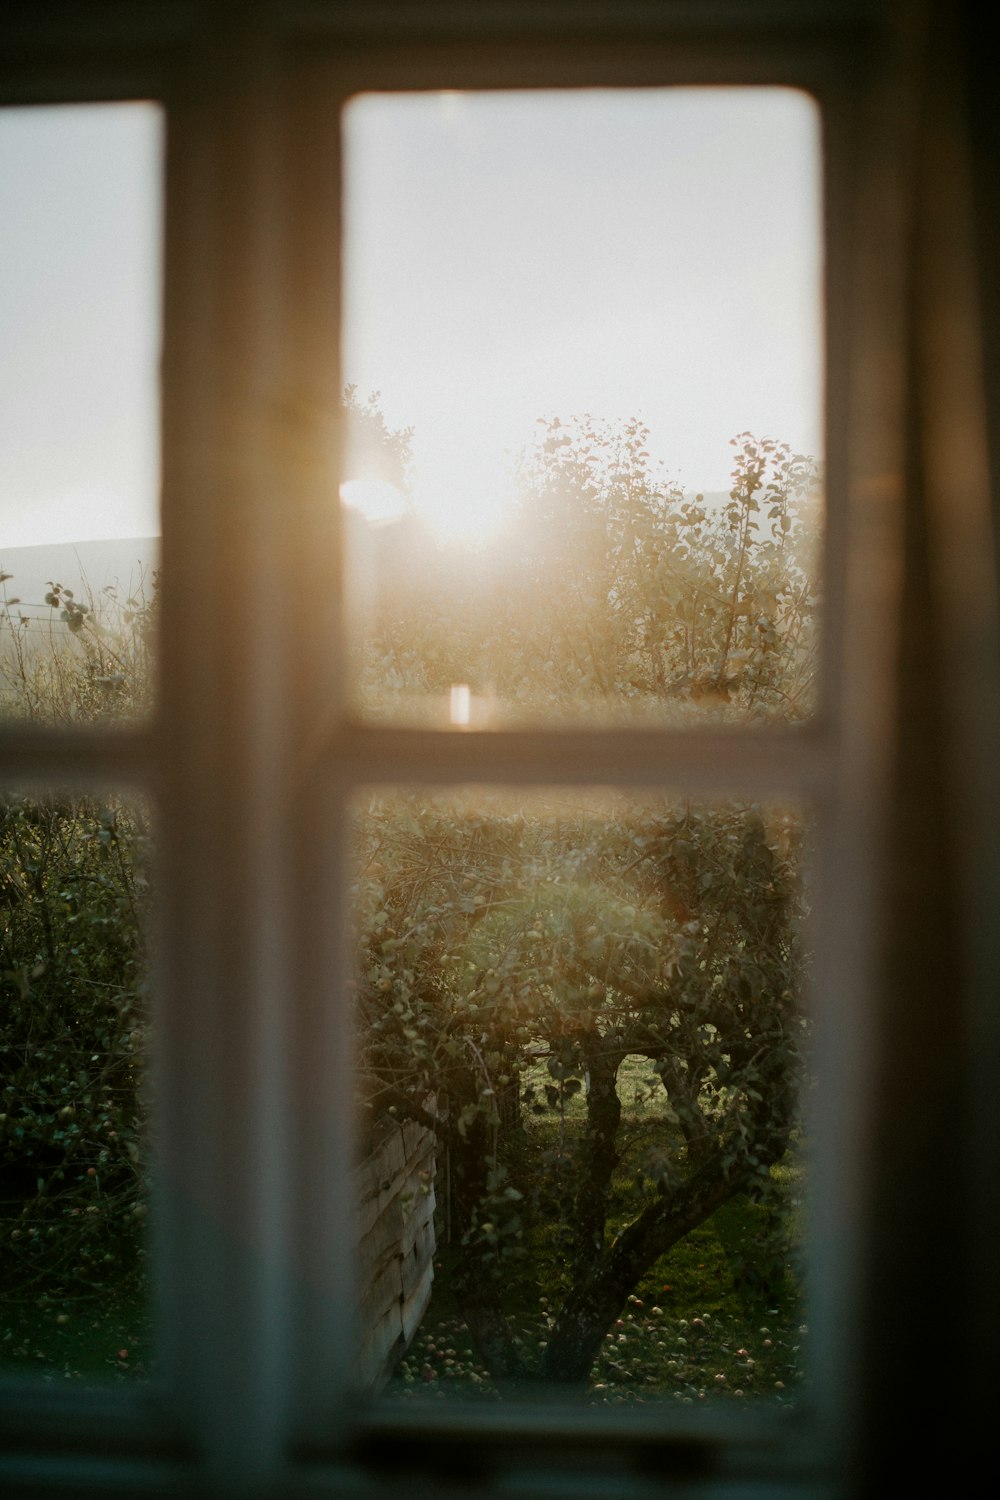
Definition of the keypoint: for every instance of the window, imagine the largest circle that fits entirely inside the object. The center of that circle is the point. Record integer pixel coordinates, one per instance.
(252, 755)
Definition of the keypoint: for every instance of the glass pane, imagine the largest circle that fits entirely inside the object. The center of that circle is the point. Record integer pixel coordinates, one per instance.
(583, 335)
(74, 887)
(80, 210)
(582, 1040)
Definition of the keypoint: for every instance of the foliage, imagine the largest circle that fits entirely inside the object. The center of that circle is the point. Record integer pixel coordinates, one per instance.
(611, 594)
(73, 886)
(522, 956)
(74, 896)
(78, 660)
(592, 1000)
(518, 954)
(373, 449)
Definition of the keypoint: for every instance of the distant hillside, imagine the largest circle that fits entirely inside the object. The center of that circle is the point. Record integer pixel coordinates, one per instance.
(123, 563)
(80, 566)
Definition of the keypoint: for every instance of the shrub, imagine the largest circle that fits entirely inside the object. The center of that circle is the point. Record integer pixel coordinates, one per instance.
(72, 1041)
(74, 898)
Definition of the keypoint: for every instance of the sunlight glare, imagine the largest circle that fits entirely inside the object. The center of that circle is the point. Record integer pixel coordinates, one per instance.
(461, 705)
(375, 499)
(461, 493)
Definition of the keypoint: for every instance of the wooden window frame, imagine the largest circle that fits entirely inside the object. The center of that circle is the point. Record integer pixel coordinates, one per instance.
(252, 756)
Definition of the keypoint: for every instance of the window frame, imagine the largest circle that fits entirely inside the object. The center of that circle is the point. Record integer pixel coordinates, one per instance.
(251, 764)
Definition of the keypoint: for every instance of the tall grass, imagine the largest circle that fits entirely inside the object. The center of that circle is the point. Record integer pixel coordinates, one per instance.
(77, 656)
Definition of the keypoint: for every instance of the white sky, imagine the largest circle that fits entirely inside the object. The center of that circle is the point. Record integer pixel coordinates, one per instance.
(80, 200)
(509, 257)
(652, 253)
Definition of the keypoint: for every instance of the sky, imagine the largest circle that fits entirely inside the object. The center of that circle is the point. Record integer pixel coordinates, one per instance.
(514, 256)
(80, 216)
(508, 257)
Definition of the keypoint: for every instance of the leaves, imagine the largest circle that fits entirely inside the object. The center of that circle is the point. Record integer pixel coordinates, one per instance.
(72, 1043)
(554, 945)
(612, 593)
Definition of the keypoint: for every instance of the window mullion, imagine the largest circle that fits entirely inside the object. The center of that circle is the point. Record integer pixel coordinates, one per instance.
(226, 752)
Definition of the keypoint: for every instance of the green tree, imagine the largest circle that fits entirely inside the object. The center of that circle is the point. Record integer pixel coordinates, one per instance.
(535, 948)
(612, 592)
(374, 450)
(528, 956)
(519, 959)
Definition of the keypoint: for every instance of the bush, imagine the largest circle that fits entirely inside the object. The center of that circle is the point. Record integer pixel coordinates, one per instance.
(73, 1017)
(74, 901)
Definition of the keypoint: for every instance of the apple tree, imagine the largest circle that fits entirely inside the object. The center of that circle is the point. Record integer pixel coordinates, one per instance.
(536, 956)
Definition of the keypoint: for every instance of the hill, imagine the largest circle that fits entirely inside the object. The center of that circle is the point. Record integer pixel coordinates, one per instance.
(86, 567)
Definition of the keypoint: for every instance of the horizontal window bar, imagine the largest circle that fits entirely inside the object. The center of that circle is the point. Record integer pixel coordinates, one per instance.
(758, 763)
(33, 755)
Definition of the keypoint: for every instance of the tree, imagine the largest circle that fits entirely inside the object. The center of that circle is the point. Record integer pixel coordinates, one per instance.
(520, 959)
(541, 947)
(613, 593)
(374, 450)
(524, 954)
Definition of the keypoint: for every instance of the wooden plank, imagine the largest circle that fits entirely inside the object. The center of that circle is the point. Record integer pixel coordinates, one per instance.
(388, 1175)
(396, 1200)
(415, 1223)
(415, 1271)
(382, 1291)
(413, 1309)
(380, 1350)
(386, 1234)
(379, 1172)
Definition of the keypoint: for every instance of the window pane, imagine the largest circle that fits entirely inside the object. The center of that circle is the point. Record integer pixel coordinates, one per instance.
(582, 1039)
(80, 209)
(74, 1022)
(583, 340)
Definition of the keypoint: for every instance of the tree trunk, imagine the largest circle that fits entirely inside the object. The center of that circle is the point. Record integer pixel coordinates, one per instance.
(596, 1300)
(598, 1153)
(475, 1282)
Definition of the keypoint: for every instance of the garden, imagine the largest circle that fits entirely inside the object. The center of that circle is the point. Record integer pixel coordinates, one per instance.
(592, 1000)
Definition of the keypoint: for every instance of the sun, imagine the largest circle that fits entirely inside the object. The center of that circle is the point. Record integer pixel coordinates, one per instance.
(375, 499)
(463, 501)
(462, 493)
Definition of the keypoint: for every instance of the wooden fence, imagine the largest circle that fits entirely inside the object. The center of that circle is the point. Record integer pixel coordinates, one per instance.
(395, 1196)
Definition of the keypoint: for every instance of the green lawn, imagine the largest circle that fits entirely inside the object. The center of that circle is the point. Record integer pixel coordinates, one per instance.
(93, 1340)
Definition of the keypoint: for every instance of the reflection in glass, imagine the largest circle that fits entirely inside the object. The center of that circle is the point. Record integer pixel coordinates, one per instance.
(583, 429)
(582, 1042)
(74, 887)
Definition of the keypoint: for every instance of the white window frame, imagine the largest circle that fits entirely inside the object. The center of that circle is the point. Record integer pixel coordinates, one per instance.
(253, 756)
